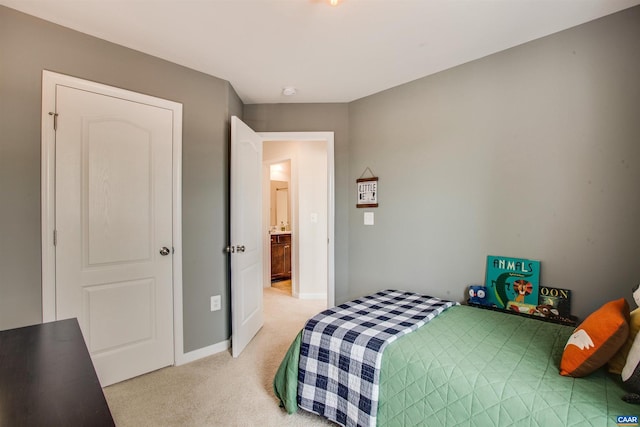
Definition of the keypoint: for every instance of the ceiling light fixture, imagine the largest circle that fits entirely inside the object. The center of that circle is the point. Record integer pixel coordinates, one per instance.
(333, 2)
(289, 91)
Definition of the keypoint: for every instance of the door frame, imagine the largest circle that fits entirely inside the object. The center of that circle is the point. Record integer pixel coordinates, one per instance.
(301, 137)
(48, 162)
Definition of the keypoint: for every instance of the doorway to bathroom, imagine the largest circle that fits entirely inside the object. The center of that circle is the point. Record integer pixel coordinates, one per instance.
(279, 226)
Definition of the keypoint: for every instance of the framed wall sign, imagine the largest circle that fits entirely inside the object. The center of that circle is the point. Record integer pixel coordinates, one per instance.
(367, 192)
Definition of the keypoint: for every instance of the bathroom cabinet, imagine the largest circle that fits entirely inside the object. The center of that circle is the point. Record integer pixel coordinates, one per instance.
(280, 256)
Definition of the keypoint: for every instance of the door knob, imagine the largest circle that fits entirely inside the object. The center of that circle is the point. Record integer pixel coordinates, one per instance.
(240, 248)
(164, 251)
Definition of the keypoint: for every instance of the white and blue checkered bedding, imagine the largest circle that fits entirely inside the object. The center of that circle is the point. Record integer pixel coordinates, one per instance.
(341, 352)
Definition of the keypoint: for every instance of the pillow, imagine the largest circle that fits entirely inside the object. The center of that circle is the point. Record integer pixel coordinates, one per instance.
(596, 340)
(618, 361)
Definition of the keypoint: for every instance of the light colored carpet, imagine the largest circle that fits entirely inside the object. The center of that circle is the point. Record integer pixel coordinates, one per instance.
(219, 390)
(284, 285)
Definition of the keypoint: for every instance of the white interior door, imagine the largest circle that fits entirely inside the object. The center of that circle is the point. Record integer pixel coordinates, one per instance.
(113, 216)
(246, 235)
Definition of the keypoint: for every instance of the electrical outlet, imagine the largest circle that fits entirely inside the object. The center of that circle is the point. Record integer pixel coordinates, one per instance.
(215, 303)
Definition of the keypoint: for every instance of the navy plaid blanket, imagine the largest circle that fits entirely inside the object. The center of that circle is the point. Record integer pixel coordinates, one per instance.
(341, 352)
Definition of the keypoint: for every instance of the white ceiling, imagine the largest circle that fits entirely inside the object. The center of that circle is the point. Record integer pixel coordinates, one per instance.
(329, 54)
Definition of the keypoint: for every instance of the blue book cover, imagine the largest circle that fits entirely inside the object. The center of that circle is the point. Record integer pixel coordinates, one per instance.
(512, 283)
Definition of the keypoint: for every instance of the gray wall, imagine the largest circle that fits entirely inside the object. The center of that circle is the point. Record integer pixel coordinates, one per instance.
(317, 118)
(29, 45)
(532, 152)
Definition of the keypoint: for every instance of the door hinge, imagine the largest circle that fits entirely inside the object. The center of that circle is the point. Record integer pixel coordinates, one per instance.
(55, 120)
(55, 237)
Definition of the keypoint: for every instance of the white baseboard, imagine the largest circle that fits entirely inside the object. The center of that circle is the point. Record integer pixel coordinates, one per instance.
(194, 355)
(312, 296)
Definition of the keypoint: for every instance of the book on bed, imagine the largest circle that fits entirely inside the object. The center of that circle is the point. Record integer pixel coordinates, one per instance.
(557, 299)
(512, 283)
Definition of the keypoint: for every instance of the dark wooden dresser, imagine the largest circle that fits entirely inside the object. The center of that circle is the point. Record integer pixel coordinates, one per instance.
(47, 378)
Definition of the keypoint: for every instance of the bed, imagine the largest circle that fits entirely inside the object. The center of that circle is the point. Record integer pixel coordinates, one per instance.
(474, 367)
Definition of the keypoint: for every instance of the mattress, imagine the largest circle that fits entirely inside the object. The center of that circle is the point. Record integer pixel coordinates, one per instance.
(475, 367)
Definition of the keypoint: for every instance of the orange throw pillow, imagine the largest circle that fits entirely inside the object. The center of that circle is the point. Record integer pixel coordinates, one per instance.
(596, 340)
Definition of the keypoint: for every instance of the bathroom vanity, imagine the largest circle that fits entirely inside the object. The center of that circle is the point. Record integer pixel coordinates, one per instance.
(281, 255)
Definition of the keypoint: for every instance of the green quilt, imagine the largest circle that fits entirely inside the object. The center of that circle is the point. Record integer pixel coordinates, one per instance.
(474, 367)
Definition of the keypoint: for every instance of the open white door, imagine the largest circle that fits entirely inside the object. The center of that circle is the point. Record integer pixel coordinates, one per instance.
(246, 235)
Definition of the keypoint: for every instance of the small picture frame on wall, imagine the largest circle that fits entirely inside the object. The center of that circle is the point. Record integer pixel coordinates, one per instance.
(367, 192)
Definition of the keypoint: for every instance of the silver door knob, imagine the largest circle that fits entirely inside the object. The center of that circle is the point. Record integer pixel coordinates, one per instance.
(164, 251)
(240, 248)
